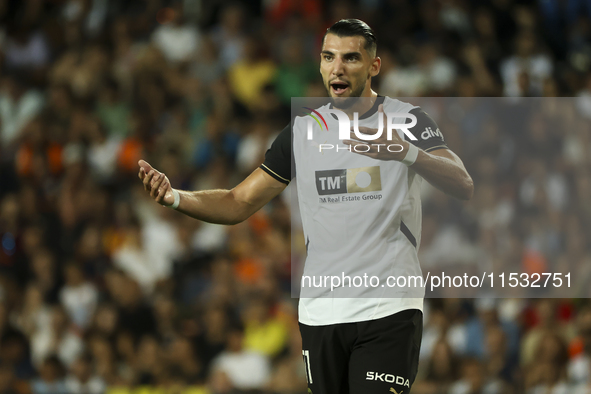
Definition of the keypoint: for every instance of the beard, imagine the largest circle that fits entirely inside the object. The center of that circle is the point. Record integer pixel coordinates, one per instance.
(345, 102)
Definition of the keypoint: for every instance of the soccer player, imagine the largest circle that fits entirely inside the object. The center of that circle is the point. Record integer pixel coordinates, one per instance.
(350, 345)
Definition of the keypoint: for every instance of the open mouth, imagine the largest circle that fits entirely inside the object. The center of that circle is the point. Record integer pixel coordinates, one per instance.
(339, 87)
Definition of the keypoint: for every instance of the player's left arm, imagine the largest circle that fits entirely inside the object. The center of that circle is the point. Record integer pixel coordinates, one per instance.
(435, 162)
(444, 169)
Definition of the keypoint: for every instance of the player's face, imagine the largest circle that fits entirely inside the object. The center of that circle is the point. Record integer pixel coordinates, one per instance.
(346, 67)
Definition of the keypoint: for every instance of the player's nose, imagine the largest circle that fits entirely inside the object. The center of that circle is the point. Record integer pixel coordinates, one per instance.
(338, 67)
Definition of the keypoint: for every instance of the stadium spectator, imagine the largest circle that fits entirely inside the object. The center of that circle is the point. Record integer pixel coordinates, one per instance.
(51, 377)
(18, 106)
(176, 39)
(82, 380)
(245, 369)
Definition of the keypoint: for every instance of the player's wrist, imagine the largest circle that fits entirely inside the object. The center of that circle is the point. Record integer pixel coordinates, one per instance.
(177, 199)
(410, 153)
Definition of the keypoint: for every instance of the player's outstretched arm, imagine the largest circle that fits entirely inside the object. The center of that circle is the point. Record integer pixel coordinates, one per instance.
(214, 206)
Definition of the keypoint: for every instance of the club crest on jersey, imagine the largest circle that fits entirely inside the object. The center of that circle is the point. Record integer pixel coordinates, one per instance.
(352, 180)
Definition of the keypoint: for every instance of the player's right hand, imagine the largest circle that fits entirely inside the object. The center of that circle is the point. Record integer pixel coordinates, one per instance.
(156, 183)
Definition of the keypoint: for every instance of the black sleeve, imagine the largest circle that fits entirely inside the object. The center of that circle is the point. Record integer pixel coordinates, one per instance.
(279, 158)
(429, 137)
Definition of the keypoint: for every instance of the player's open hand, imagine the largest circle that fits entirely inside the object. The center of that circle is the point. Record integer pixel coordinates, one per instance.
(380, 148)
(156, 183)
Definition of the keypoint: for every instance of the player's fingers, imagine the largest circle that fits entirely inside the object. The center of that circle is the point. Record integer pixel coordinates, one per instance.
(141, 173)
(162, 191)
(355, 142)
(165, 191)
(145, 165)
(367, 130)
(383, 138)
(147, 180)
(156, 184)
(364, 149)
(152, 185)
(364, 130)
(158, 198)
(354, 138)
(358, 147)
(162, 185)
(370, 132)
(157, 176)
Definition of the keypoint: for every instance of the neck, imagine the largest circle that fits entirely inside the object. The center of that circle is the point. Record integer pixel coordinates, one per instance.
(364, 104)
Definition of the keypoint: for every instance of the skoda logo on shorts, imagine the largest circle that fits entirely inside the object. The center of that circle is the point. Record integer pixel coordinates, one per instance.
(352, 180)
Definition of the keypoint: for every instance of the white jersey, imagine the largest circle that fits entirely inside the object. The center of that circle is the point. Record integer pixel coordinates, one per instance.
(360, 216)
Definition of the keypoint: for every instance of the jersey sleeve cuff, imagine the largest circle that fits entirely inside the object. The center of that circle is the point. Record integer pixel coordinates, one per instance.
(431, 149)
(274, 174)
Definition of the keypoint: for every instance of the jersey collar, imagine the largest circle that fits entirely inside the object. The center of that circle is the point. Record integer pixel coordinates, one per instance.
(372, 110)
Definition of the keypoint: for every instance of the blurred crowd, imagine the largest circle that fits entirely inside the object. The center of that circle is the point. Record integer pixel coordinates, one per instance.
(103, 290)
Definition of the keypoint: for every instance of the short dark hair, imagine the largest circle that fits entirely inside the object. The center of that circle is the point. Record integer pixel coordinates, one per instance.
(352, 28)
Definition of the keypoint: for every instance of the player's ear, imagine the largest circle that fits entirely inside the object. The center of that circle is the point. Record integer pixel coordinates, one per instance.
(375, 67)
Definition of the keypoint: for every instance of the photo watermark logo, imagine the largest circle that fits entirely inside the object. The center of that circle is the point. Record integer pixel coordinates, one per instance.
(344, 123)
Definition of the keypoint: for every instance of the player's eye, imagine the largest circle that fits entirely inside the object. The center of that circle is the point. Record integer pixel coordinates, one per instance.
(352, 58)
(328, 58)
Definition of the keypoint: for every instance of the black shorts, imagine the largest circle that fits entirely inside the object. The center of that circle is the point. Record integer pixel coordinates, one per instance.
(375, 356)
